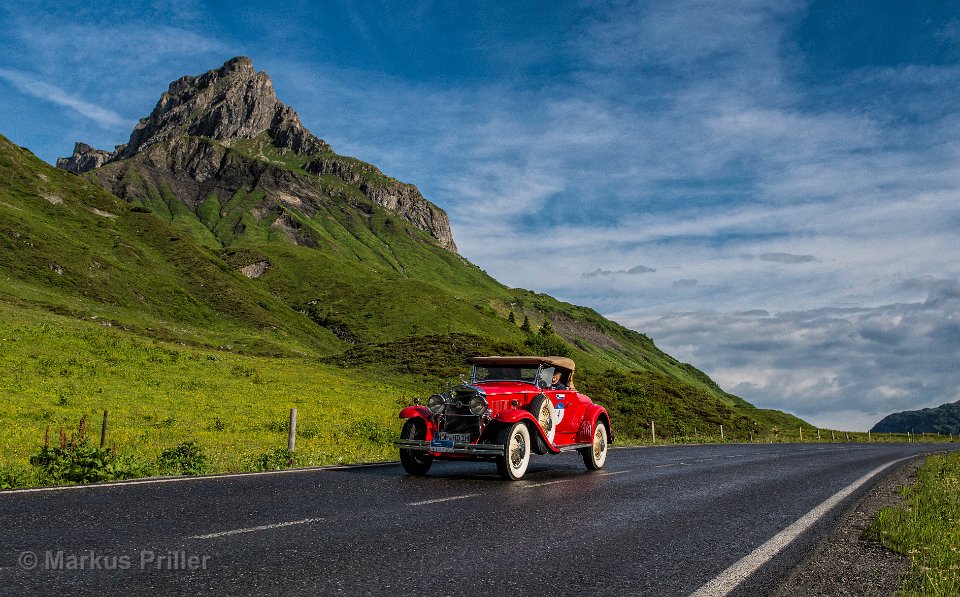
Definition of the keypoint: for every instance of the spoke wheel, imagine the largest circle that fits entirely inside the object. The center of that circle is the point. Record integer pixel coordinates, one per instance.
(596, 455)
(516, 454)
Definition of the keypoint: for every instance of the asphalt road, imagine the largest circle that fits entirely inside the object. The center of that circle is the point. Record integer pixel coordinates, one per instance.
(655, 521)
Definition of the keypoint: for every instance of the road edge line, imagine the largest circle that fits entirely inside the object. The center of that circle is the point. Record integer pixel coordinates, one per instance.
(731, 578)
(155, 480)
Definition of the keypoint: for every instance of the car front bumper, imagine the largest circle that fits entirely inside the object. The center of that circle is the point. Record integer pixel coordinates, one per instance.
(450, 447)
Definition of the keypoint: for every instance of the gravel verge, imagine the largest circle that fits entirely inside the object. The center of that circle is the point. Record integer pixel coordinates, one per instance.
(846, 564)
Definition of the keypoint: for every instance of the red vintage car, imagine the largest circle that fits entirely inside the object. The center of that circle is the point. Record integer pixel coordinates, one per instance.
(512, 407)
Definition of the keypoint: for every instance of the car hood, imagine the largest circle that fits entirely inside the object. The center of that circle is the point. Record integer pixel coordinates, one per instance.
(498, 388)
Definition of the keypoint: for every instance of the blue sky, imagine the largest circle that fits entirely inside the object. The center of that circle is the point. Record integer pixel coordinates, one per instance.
(768, 190)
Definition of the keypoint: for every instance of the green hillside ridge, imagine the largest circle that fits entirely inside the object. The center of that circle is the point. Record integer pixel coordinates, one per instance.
(372, 298)
(944, 419)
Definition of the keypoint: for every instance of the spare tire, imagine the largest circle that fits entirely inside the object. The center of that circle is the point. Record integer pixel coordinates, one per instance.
(541, 407)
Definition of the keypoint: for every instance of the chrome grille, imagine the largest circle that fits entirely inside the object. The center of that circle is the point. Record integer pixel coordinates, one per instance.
(459, 419)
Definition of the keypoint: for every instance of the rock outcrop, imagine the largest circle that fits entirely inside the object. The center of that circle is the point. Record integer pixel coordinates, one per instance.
(185, 145)
(403, 199)
(84, 159)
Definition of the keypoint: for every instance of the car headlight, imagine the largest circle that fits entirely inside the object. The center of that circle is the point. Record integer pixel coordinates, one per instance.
(477, 405)
(436, 404)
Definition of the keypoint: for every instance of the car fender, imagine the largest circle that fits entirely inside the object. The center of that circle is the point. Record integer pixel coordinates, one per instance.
(509, 417)
(593, 413)
(411, 412)
(423, 413)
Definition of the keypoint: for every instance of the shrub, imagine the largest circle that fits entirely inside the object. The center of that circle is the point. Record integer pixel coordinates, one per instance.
(185, 459)
(74, 460)
(11, 477)
(549, 344)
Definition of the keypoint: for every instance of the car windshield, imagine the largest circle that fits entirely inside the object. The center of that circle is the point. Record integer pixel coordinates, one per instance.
(527, 374)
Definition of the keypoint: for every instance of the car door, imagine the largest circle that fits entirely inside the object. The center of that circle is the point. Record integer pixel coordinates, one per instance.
(562, 419)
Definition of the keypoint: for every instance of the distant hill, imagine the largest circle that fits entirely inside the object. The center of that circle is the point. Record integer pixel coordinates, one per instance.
(944, 419)
(224, 224)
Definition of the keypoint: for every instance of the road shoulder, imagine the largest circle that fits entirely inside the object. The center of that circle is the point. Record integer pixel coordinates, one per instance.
(847, 564)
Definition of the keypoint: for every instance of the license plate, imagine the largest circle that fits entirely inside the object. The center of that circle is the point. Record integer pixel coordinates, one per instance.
(444, 442)
(441, 445)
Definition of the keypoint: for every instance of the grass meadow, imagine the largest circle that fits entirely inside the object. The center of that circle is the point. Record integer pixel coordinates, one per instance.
(57, 370)
(926, 527)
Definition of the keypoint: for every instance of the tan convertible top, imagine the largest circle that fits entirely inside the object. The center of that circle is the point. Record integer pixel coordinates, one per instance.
(495, 361)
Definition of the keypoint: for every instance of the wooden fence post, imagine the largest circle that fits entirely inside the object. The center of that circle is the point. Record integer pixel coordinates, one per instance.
(103, 430)
(292, 439)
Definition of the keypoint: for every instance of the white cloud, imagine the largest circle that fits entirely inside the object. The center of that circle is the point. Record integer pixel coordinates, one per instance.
(843, 368)
(47, 92)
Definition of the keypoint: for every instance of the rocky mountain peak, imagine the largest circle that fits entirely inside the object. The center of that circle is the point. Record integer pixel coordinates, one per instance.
(229, 103)
(184, 145)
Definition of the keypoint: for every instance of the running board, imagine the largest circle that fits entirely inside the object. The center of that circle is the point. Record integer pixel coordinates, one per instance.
(572, 447)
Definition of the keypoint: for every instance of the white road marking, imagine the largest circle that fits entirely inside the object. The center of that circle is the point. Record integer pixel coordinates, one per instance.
(608, 473)
(732, 577)
(544, 483)
(264, 527)
(446, 499)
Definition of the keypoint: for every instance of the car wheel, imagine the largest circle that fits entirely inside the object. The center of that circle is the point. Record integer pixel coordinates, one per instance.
(542, 408)
(596, 455)
(415, 462)
(516, 451)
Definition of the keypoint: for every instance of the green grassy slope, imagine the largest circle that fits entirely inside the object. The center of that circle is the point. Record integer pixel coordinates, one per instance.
(73, 248)
(375, 278)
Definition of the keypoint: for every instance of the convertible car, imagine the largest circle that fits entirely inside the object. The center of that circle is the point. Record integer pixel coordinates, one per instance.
(511, 408)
